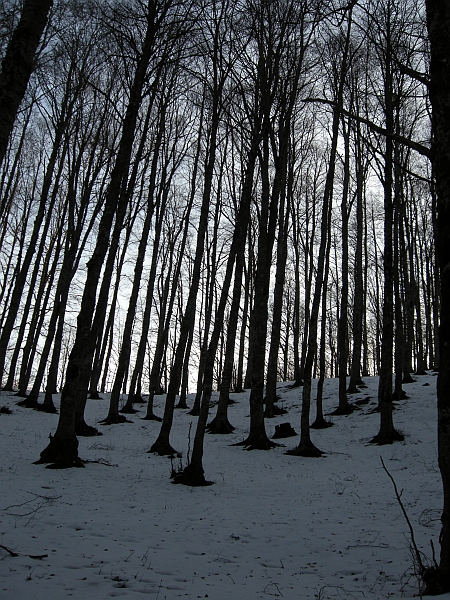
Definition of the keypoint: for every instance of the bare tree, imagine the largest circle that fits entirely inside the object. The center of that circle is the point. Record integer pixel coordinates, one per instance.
(438, 23)
(18, 64)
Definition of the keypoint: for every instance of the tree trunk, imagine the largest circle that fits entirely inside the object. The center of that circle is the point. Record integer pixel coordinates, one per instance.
(387, 433)
(19, 63)
(63, 448)
(438, 23)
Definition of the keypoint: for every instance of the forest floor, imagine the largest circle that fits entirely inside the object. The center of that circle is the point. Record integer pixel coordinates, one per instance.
(271, 526)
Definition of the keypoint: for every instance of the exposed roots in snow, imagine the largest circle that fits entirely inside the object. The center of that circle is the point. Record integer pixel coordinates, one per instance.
(152, 417)
(342, 412)
(163, 448)
(128, 409)
(29, 402)
(321, 423)
(115, 420)
(274, 411)
(82, 429)
(61, 454)
(384, 438)
(257, 442)
(220, 427)
(192, 475)
(306, 449)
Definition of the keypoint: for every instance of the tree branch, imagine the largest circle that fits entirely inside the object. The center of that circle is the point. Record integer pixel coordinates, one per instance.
(420, 148)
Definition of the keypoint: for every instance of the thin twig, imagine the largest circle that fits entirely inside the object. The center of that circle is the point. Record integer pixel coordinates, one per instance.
(10, 552)
(411, 530)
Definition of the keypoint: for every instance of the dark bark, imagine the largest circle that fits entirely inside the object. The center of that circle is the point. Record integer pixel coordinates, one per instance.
(125, 351)
(162, 445)
(63, 449)
(358, 302)
(19, 63)
(387, 433)
(46, 201)
(438, 23)
(344, 407)
(272, 368)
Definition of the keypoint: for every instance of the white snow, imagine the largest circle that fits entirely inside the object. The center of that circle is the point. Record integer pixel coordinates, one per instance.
(272, 525)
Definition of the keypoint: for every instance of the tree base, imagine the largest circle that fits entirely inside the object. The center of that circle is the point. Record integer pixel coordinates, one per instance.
(47, 407)
(128, 410)
(220, 427)
(115, 420)
(163, 449)
(306, 449)
(402, 396)
(82, 429)
(383, 439)
(421, 372)
(297, 383)
(95, 396)
(29, 402)
(321, 423)
(191, 475)
(342, 411)
(408, 379)
(257, 442)
(61, 454)
(436, 580)
(182, 405)
(274, 411)
(152, 417)
(353, 390)
(194, 412)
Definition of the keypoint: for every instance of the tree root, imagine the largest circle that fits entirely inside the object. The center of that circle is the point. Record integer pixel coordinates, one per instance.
(115, 420)
(47, 407)
(95, 396)
(403, 396)
(128, 410)
(257, 442)
(382, 439)
(220, 427)
(274, 411)
(306, 449)
(29, 402)
(60, 454)
(163, 448)
(192, 475)
(342, 412)
(321, 423)
(353, 390)
(182, 405)
(152, 417)
(296, 384)
(82, 429)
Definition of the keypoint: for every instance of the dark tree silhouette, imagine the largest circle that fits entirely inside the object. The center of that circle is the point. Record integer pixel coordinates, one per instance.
(438, 22)
(18, 64)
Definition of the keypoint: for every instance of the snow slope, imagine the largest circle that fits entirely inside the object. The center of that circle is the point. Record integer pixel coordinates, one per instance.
(272, 525)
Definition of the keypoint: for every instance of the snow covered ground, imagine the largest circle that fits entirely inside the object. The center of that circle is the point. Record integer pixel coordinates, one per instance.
(271, 525)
